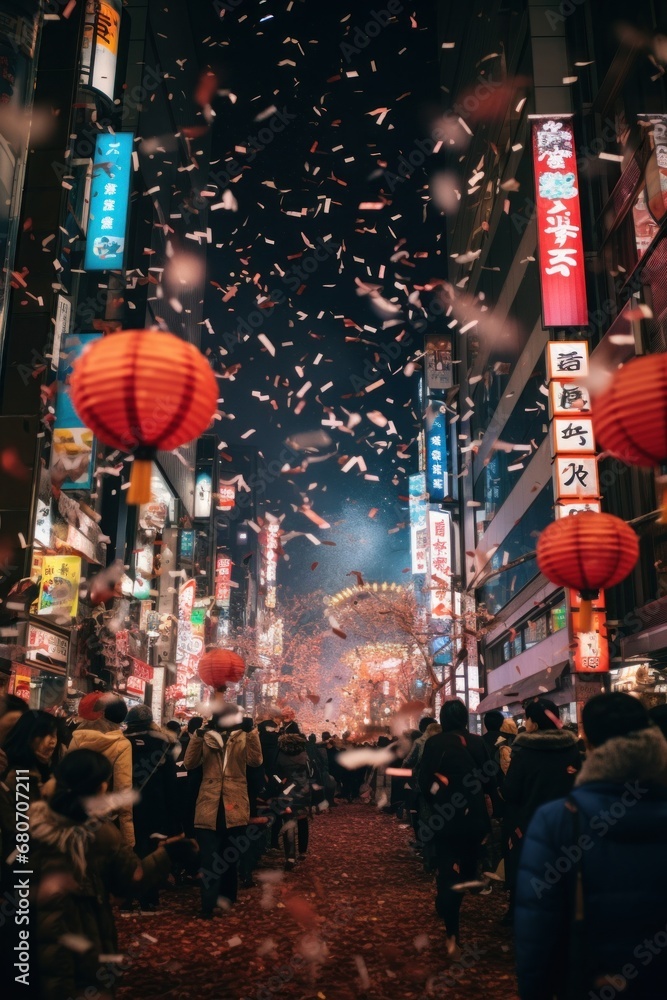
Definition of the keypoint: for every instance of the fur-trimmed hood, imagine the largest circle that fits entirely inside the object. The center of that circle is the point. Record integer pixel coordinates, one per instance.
(545, 739)
(292, 743)
(640, 756)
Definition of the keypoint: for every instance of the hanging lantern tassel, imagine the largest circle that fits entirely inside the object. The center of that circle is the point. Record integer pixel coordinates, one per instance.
(586, 609)
(140, 477)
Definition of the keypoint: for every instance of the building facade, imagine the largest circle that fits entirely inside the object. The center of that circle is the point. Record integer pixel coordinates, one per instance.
(599, 69)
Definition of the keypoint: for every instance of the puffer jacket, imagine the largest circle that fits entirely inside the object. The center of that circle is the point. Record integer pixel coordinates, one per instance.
(224, 777)
(77, 867)
(618, 826)
(293, 767)
(542, 767)
(108, 739)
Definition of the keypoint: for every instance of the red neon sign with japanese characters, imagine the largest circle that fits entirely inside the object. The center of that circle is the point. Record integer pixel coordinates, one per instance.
(560, 245)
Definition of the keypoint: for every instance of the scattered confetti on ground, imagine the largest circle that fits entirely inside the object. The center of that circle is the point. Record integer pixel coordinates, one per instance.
(356, 919)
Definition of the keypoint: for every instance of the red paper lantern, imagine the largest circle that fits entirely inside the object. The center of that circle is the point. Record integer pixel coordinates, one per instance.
(144, 391)
(588, 552)
(630, 417)
(220, 667)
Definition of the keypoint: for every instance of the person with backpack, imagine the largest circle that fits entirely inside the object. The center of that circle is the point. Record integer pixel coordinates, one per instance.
(591, 908)
(453, 780)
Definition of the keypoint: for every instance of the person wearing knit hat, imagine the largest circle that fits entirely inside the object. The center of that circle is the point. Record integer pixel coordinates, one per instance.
(139, 716)
(106, 737)
(155, 811)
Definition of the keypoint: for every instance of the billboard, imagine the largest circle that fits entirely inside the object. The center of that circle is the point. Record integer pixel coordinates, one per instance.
(440, 552)
(438, 364)
(73, 445)
(109, 202)
(418, 529)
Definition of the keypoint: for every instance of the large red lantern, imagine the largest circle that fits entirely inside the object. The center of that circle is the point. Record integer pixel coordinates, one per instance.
(630, 417)
(140, 391)
(588, 552)
(220, 667)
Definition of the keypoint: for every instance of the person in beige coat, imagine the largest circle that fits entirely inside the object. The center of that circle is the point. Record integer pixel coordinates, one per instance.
(106, 737)
(223, 749)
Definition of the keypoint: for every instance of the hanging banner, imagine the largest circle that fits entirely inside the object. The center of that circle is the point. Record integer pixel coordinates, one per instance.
(560, 244)
(109, 202)
(418, 529)
(438, 360)
(73, 444)
(436, 459)
(59, 586)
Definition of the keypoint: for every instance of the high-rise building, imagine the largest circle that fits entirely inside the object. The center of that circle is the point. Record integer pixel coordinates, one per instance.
(575, 94)
(106, 231)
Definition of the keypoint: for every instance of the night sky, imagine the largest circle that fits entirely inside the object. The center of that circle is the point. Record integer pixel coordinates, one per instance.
(331, 177)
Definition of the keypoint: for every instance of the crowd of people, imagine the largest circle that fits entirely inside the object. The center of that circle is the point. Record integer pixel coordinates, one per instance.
(572, 828)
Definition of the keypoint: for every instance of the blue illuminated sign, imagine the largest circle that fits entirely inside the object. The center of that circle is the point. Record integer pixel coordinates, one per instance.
(436, 458)
(109, 202)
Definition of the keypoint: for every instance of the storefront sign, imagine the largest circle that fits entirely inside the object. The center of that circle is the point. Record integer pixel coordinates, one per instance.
(109, 202)
(565, 509)
(59, 586)
(573, 434)
(99, 51)
(576, 477)
(73, 445)
(157, 694)
(141, 669)
(47, 648)
(437, 465)
(440, 549)
(567, 360)
(590, 653)
(438, 359)
(560, 244)
(418, 528)
(61, 328)
(187, 545)
(226, 497)
(568, 398)
(270, 545)
(135, 686)
(223, 579)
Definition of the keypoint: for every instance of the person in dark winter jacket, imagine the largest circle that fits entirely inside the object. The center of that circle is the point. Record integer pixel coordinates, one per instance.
(492, 722)
(154, 779)
(545, 760)
(79, 860)
(604, 846)
(294, 769)
(452, 780)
